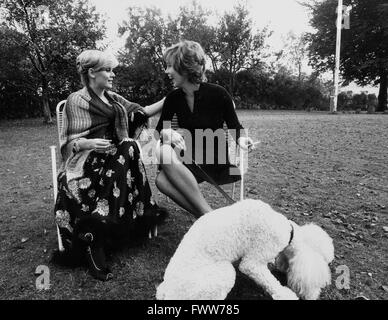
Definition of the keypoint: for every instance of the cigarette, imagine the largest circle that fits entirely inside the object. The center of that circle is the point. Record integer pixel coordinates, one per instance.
(254, 143)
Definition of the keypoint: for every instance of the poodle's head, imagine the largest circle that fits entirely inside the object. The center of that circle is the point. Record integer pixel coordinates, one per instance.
(306, 261)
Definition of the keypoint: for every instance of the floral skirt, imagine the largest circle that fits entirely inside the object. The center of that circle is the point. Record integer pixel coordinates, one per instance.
(114, 190)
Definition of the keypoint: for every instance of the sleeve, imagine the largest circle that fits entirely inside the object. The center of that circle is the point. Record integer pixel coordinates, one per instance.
(167, 113)
(75, 109)
(137, 119)
(129, 106)
(230, 116)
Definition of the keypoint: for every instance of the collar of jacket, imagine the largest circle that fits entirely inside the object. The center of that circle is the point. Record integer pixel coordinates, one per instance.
(84, 94)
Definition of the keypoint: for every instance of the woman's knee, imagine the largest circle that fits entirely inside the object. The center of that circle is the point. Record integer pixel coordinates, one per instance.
(161, 181)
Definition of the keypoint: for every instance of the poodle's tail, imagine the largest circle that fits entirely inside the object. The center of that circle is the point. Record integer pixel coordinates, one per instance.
(308, 255)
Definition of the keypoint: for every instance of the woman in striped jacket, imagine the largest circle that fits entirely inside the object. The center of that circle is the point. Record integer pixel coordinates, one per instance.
(104, 197)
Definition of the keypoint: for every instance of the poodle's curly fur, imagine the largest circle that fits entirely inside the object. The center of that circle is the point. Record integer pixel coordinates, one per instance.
(252, 232)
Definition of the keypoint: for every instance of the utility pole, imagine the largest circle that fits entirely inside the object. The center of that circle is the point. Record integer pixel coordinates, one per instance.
(337, 54)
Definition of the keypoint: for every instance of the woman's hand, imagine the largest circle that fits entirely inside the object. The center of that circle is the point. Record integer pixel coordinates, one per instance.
(173, 138)
(100, 145)
(246, 143)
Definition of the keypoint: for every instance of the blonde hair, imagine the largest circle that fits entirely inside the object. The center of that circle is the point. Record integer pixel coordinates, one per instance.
(96, 60)
(188, 59)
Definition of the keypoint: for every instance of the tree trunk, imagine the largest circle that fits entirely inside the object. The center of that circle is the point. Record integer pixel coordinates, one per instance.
(46, 105)
(299, 71)
(382, 106)
(231, 84)
(46, 111)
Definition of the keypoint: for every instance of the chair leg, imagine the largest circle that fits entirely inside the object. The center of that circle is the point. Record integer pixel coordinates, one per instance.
(242, 188)
(156, 231)
(55, 187)
(153, 233)
(242, 174)
(233, 189)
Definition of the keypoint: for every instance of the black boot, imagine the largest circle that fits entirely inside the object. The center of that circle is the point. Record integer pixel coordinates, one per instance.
(95, 257)
(91, 234)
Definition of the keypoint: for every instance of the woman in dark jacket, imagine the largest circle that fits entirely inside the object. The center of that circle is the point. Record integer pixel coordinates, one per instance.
(201, 109)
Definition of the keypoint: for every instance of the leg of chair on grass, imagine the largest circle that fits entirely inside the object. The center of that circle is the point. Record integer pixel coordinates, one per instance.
(153, 232)
(55, 187)
(242, 174)
(236, 155)
(233, 189)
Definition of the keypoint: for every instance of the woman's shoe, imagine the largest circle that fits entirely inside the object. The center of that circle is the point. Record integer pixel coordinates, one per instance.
(95, 257)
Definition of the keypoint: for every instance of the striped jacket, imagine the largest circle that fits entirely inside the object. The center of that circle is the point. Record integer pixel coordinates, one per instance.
(82, 118)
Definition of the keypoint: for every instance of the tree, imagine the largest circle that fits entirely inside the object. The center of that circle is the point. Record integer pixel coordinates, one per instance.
(13, 59)
(16, 77)
(148, 33)
(294, 52)
(239, 47)
(52, 34)
(252, 87)
(345, 100)
(192, 23)
(230, 45)
(364, 47)
(360, 101)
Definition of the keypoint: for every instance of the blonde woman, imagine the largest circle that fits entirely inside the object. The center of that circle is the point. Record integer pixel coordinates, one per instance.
(104, 197)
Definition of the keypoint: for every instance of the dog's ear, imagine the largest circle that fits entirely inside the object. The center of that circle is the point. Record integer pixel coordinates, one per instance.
(308, 272)
(318, 239)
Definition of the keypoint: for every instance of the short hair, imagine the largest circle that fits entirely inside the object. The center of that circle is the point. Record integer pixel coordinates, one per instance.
(96, 60)
(188, 59)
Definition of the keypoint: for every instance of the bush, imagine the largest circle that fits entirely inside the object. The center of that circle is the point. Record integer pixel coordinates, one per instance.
(258, 90)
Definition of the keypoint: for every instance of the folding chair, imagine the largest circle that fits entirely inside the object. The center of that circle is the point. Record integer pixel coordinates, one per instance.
(237, 153)
(238, 161)
(59, 112)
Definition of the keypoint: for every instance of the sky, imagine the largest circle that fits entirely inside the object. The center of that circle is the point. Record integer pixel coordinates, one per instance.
(281, 16)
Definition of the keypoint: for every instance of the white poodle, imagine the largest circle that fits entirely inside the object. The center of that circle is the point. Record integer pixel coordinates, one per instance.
(250, 231)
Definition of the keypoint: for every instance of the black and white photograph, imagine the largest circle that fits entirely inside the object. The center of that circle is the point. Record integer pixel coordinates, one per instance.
(196, 155)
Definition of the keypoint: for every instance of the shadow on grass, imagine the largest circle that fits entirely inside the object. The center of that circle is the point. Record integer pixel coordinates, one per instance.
(246, 289)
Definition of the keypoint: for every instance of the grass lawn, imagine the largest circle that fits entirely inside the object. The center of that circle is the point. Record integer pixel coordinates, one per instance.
(313, 167)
